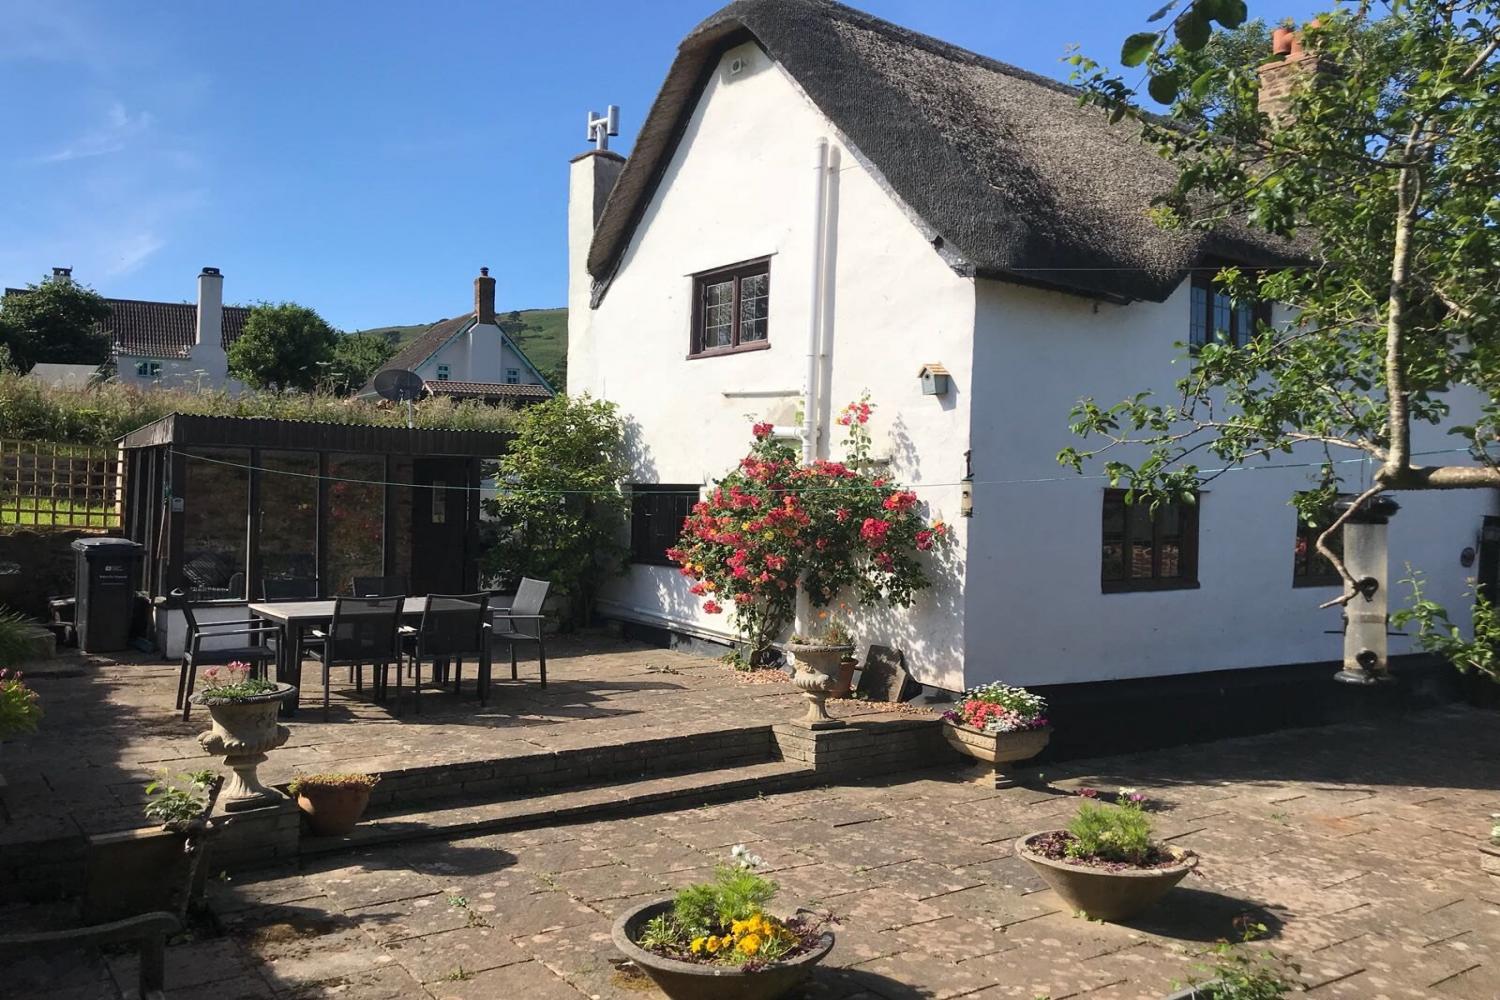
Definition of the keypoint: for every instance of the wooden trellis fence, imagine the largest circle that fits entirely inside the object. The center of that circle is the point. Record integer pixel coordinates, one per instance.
(46, 485)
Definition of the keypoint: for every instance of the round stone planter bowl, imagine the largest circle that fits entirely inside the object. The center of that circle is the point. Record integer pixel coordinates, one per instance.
(688, 981)
(1107, 895)
(816, 676)
(1000, 750)
(333, 810)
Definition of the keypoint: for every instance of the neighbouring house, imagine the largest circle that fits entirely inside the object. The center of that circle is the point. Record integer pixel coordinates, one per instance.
(471, 357)
(63, 376)
(175, 344)
(820, 203)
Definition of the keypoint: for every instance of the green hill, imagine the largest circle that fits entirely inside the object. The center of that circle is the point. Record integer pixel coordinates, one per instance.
(541, 333)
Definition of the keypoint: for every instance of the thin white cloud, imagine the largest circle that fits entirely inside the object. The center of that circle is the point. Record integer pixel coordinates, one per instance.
(130, 253)
(113, 136)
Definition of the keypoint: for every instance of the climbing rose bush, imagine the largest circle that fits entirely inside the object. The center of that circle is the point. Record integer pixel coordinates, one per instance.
(773, 524)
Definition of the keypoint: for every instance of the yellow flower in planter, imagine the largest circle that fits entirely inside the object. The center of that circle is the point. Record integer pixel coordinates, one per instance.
(697, 946)
(750, 944)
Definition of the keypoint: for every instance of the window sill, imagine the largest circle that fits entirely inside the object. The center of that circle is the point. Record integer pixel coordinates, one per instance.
(1144, 586)
(759, 345)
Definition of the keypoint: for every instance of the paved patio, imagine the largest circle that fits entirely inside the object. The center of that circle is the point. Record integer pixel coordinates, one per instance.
(109, 725)
(1353, 845)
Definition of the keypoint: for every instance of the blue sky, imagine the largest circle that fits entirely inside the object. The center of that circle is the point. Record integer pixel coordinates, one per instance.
(364, 159)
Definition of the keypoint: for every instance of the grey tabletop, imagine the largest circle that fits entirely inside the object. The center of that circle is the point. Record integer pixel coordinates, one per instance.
(285, 611)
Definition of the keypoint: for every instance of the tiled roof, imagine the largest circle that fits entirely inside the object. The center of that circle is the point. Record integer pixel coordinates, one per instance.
(164, 329)
(160, 329)
(427, 342)
(488, 390)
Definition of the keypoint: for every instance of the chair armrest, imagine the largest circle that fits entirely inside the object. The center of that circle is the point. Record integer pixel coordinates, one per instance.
(406, 630)
(317, 633)
(244, 621)
(524, 618)
(238, 631)
(130, 929)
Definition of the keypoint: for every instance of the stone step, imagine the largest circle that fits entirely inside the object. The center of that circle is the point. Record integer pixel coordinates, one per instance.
(418, 787)
(661, 793)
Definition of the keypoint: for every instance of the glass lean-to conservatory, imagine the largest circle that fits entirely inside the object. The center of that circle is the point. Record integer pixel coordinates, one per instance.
(226, 507)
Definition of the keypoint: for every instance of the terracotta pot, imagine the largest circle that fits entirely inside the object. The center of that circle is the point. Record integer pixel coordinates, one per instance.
(332, 811)
(999, 749)
(688, 981)
(844, 685)
(1107, 895)
(1281, 41)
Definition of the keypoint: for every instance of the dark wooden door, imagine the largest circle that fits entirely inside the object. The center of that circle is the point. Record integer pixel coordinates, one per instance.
(440, 504)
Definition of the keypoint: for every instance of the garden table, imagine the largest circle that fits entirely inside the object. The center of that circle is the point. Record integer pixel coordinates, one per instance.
(294, 618)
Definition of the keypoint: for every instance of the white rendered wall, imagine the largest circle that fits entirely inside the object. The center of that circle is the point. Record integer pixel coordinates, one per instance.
(1035, 547)
(207, 375)
(481, 355)
(740, 187)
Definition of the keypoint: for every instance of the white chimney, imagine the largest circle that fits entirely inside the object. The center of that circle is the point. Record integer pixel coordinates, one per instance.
(591, 178)
(210, 329)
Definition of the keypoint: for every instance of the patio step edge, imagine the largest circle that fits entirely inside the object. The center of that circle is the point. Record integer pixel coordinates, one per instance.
(658, 793)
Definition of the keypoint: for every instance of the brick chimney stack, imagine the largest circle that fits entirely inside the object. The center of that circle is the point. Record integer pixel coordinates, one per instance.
(1281, 79)
(484, 297)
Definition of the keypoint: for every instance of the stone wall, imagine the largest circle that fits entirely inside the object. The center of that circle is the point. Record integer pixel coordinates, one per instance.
(36, 565)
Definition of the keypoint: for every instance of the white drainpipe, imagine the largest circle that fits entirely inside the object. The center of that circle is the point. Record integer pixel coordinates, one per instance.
(815, 304)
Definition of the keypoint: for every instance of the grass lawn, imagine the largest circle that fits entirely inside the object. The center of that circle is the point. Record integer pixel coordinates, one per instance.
(42, 513)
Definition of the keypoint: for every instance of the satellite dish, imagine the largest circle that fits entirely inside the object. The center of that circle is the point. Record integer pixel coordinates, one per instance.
(398, 384)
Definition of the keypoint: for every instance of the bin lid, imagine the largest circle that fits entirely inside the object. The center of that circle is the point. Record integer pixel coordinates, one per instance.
(105, 546)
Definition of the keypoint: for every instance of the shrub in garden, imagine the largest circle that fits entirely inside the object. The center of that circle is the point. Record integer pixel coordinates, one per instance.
(19, 710)
(773, 524)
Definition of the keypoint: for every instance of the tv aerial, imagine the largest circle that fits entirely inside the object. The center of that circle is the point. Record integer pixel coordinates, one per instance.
(399, 385)
(601, 127)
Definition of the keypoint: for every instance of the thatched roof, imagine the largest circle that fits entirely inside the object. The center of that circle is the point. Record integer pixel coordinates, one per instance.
(1006, 173)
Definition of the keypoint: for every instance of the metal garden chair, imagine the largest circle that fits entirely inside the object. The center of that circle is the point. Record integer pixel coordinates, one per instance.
(522, 622)
(453, 627)
(363, 630)
(195, 654)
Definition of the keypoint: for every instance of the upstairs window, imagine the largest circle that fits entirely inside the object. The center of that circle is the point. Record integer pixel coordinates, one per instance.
(148, 369)
(1215, 316)
(1309, 567)
(512, 376)
(1146, 551)
(656, 516)
(730, 309)
(442, 373)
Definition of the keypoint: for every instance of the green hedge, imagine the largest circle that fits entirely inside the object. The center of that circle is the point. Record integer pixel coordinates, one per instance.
(100, 414)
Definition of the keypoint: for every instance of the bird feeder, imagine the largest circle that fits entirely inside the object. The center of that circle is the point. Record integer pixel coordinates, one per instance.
(934, 379)
(1366, 552)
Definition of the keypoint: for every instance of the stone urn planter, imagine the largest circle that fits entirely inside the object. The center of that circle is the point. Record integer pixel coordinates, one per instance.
(333, 803)
(1001, 750)
(817, 674)
(688, 981)
(245, 730)
(1102, 893)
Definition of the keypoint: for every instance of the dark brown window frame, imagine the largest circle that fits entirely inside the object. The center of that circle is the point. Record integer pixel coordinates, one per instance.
(1187, 555)
(667, 501)
(1305, 577)
(737, 273)
(1260, 313)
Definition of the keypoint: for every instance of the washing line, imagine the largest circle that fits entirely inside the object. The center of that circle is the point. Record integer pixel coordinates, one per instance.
(245, 466)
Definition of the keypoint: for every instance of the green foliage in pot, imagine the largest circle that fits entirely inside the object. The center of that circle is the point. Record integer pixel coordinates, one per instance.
(176, 800)
(331, 782)
(19, 708)
(1111, 833)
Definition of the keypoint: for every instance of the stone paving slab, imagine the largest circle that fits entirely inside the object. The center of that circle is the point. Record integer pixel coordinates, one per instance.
(924, 914)
(622, 692)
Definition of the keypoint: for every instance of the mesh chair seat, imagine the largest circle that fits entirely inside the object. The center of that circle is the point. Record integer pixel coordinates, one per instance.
(195, 654)
(452, 628)
(363, 630)
(523, 621)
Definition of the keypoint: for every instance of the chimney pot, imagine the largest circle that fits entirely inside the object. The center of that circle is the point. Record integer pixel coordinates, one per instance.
(62, 272)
